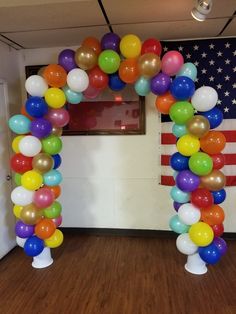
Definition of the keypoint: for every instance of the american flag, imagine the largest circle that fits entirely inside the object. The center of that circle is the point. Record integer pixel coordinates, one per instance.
(215, 60)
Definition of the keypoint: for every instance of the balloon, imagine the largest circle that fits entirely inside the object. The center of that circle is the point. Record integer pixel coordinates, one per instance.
(51, 145)
(189, 70)
(91, 92)
(188, 145)
(214, 116)
(45, 228)
(179, 162)
(218, 161)
(23, 230)
(93, 43)
(35, 85)
(22, 196)
(164, 102)
(221, 245)
(218, 230)
(55, 98)
(187, 181)
(128, 70)
(33, 246)
(57, 221)
(160, 84)
(58, 118)
(55, 75)
(77, 80)
(40, 127)
(52, 177)
(36, 107)
(142, 86)
(130, 46)
(219, 196)
(179, 130)
(109, 61)
(43, 162)
(55, 240)
(17, 179)
(57, 131)
(182, 88)
(209, 254)
(213, 215)
(19, 124)
(151, 45)
(56, 190)
(204, 98)
(185, 245)
(15, 143)
(53, 211)
(181, 112)
(98, 79)
(31, 180)
(178, 226)
(198, 126)
(25, 113)
(20, 163)
(179, 196)
(177, 205)
(149, 65)
(17, 210)
(85, 58)
(201, 234)
(115, 83)
(214, 181)
(30, 214)
(200, 164)
(172, 62)
(66, 59)
(110, 41)
(57, 161)
(213, 142)
(44, 197)
(30, 146)
(202, 198)
(189, 214)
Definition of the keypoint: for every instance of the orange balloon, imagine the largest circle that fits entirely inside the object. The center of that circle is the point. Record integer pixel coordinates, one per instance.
(164, 102)
(55, 75)
(56, 189)
(24, 113)
(45, 228)
(213, 142)
(128, 70)
(93, 43)
(213, 216)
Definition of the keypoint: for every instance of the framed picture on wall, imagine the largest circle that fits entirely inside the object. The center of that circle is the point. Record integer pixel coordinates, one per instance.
(111, 113)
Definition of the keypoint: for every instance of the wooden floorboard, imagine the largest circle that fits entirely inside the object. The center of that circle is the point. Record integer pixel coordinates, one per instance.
(116, 275)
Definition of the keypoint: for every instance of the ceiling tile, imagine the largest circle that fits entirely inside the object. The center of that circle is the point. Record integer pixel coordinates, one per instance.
(230, 29)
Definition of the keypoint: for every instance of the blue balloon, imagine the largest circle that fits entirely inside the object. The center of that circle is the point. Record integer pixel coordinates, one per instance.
(52, 177)
(179, 196)
(210, 254)
(177, 225)
(182, 88)
(19, 124)
(72, 97)
(188, 69)
(57, 161)
(179, 162)
(115, 83)
(36, 107)
(179, 130)
(142, 86)
(33, 246)
(214, 116)
(219, 196)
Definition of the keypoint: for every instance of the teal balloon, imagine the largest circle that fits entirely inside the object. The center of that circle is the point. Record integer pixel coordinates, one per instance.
(142, 86)
(52, 177)
(71, 96)
(179, 196)
(188, 69)
(19, 124)
(177, 225)
(179, 130)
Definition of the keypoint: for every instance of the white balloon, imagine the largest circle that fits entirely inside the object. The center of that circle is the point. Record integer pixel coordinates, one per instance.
(185, 245)
(30, 146)
(77, 80)
(36, 85)
(189, 214)
(204, 98)
(20, 241)
(22, 196)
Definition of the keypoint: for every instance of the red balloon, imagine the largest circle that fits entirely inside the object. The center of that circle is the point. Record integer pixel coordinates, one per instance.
(97, 78)
(20, 163)
(151, 45)
(218, 230)
(202, 198)
(218, 161)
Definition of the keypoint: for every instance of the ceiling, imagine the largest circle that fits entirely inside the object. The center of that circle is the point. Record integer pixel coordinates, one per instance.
(54, 23)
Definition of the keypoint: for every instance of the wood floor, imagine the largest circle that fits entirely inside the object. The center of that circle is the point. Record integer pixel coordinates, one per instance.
(116, 275)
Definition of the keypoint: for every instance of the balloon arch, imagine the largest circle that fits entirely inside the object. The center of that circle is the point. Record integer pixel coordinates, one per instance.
(114, 62)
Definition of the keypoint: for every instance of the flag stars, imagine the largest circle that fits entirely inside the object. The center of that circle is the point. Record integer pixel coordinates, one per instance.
(180, 48)
(227, 61)
(211, 78)
(165, 48)
(219, 102)
(227, 45)
(219, 54)
(204, 55)
(226, 94)
(227, 78)
(211, 46)
(219, 70)
(196, 63)
(234, 101)
(196, 80)
(188, 55)
(234, 52)
(211, 62)
(234, 85)
(204, 71)
(219, 86)
(195, 47)
(234, 69)
(226, 109)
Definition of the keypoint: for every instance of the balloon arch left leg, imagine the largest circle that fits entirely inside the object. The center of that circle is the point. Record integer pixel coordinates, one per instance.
(114, 62)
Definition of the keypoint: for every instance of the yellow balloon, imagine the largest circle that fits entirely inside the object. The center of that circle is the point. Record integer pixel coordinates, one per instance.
(201, 234)
(55, 98)
(55, 240)
(31, 180)
(188, 145)
(130, 46)
(17, 210)
(15, 143)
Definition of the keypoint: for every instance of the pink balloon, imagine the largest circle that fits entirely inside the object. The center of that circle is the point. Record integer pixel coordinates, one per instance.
(58, 117)
(172, 62)
(91, 92)
(57, 221)
(43, 198)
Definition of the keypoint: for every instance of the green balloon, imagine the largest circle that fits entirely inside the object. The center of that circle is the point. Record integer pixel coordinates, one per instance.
(17, 179)
(181, 112)
(200, 164)
(177, 225)
(51, 145)
(109, 61)
(53, 211)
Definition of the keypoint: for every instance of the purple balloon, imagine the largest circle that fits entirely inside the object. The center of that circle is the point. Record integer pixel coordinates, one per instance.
(23, 231)
(110, 41)
(221, 245)
(160, 84)
(67, 59)
(177, 205)
(40, 127)
(187, 181)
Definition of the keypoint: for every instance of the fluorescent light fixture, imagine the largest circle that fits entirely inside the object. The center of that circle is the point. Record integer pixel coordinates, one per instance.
(201, 10)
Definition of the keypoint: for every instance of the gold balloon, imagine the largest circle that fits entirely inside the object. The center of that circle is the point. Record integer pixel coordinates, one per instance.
(42, 162)
(198, 126)
(30, 214)
(86, 58)
(56, 131)
(149, 64)
(214, 181)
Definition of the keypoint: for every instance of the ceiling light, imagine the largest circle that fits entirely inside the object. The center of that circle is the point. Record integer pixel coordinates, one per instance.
(201, 10)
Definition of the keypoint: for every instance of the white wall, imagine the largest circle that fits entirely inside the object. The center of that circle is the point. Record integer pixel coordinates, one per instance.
(112, 181)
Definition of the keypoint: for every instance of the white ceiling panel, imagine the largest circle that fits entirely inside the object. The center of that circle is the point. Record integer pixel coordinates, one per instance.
(230, 29)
